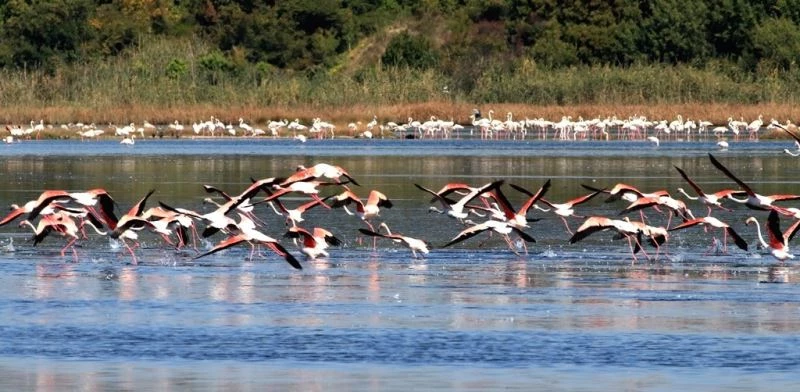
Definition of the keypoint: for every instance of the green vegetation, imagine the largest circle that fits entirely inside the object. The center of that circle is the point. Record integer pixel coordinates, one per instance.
(329, 53)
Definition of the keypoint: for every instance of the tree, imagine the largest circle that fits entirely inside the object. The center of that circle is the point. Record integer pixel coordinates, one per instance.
(777, 42)
(674, 31)
(409, 50)
(43, 33)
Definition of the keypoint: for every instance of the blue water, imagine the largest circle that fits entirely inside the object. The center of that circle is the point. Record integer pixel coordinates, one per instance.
(471, 317)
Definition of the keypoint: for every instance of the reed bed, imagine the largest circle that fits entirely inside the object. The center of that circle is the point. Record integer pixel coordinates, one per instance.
(185, 80)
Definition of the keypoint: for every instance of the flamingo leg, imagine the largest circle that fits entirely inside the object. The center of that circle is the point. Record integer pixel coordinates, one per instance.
(511, 244)
(566, 224)
(72, 241)
(133, 255)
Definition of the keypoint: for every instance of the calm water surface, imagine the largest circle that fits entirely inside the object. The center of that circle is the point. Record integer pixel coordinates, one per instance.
(471, 317)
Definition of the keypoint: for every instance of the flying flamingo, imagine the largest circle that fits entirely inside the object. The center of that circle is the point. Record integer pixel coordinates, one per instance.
(314, 243)
(34, 207)
(491, 225)
(295, 215)
(624, 228)
(519, 218)
(60, 222)
(415, 244)
(317, 171)
(778, 242)
(130, 222)
(625, 192)
(365, 211)
(91, 198)
(456, 210)
(567, 208)
(248, 233)
(754, 200)
(709, 199)
(714, 222)
(675, 206)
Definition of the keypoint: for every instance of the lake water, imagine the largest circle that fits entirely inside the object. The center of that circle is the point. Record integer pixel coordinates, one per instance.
(474, 316)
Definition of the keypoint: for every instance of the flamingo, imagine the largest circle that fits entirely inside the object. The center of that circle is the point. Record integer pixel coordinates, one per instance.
(365, 211)
(295, 215)
(319, 170)
(753, 200)
(34, 207)
(624, 228)
(246, 127)
(714, 222)
(314, 243)
(567, 208)
(674, 205)
(415, 244)
(164, 220)
(218, 220)
(456, 210)
(130, 222)
(128, 140)
(248, 233)
(755, 126)
(305, 187)
(710, 200)
(778, 242)
(518, 218)
(91, 198)
(498, 227)
(625, 192)
(59, 222)
(654, 140)
(793, 135)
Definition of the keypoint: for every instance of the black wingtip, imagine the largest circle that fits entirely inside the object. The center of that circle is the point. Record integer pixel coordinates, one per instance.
(293, 261)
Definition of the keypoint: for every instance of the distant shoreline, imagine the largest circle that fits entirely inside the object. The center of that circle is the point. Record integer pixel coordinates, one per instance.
(717, 113)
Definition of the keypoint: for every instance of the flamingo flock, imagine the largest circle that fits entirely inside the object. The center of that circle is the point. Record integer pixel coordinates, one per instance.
(490, 128)
(646, 220)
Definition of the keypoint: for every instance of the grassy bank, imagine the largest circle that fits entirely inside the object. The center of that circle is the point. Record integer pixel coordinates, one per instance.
(185, 80)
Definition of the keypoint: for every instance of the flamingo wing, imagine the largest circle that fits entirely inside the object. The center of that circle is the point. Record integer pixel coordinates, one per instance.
(737, 239)
(281, 251)
(17, 212)
(689, 180)
(224, 244)
(466, 234)
(776, 240)
(689, 223)
(533, 198)
(730, 175)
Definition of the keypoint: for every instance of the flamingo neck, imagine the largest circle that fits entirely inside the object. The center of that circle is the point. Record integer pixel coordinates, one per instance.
(687, 195)
(740, 201)
(761, 238)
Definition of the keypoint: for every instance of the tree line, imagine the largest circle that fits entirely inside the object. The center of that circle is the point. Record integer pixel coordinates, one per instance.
(459, 38)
